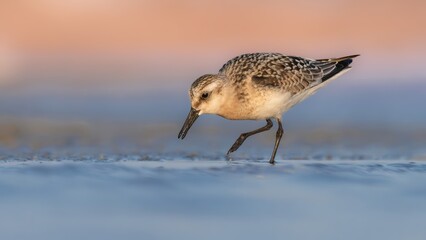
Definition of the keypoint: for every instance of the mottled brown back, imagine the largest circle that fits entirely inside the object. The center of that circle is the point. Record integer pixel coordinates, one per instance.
(277, 71)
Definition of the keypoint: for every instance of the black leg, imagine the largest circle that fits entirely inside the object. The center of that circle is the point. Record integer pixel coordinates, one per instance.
(279, 134)
(244, 136)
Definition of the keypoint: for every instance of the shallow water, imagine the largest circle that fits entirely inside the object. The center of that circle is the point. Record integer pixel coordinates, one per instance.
(186, 195)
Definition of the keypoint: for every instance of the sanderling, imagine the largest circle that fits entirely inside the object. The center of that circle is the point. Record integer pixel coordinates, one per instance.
(260, 86)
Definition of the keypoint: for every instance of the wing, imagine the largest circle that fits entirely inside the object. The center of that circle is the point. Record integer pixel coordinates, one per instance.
(288, 73)
(291, 74)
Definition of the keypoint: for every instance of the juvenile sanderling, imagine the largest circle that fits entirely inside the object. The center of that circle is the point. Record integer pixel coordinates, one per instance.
(260, 86)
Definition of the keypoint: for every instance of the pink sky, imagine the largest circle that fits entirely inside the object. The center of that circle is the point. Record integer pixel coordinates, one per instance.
(142, 37)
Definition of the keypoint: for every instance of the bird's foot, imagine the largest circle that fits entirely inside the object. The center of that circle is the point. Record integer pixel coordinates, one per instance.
(236, 145)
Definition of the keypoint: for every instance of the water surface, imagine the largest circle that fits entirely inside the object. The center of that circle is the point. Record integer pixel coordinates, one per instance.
(188, 195)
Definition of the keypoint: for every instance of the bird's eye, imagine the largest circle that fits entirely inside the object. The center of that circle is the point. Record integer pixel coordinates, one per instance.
(205, 95)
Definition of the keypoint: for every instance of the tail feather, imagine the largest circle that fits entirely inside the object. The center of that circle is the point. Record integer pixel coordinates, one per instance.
(338, 64)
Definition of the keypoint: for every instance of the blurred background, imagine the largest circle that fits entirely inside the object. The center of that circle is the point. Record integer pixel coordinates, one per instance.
(117, 72)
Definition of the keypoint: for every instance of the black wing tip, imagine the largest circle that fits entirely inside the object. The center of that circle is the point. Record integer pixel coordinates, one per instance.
(341, 64)
(346, 61)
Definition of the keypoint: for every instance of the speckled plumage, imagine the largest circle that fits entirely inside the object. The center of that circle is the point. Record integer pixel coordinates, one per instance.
(277, 71)
(261, 86)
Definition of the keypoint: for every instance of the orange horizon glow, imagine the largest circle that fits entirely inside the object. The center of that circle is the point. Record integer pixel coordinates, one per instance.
(49, 25)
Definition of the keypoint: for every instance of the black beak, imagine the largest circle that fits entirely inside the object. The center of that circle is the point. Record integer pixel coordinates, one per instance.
(192, 116)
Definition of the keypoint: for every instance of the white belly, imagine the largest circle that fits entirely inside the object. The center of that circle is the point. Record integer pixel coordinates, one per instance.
(272, 105)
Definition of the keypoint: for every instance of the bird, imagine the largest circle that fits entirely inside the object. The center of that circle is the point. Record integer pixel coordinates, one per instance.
(260, 86)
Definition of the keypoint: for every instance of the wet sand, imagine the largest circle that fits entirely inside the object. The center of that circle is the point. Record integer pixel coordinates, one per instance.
(193, 196)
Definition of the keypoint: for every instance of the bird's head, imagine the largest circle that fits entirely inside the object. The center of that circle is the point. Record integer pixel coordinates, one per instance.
(206, 98)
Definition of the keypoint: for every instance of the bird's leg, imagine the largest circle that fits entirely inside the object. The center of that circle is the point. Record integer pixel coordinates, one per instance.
(279, 134)
(244, 136)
